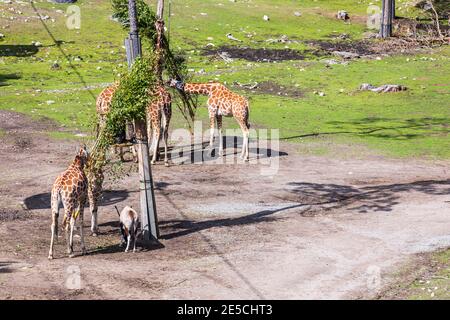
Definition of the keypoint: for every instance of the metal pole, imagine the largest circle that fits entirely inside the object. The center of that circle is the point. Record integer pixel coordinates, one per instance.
(149, 221)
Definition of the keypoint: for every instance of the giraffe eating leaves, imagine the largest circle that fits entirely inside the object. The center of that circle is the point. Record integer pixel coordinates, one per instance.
(159, 113)
(221, 102)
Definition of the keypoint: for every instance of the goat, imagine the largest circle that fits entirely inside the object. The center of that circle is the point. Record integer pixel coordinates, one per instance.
(129, 220)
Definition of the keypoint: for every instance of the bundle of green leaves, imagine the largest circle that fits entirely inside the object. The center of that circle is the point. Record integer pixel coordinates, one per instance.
(174, 64)
(132, 97)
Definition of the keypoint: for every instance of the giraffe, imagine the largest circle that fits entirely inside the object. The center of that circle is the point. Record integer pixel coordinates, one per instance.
(70, 188)
(158, 112)
(221, 102)
(103, 104)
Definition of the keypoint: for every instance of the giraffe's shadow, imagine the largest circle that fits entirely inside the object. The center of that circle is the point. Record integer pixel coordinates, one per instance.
(42, 200)
(232, 146)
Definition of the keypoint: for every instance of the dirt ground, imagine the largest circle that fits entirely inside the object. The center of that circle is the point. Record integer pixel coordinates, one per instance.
(318, 228)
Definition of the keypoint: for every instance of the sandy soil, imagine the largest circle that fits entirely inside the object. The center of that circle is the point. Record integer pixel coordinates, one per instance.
(319, 228)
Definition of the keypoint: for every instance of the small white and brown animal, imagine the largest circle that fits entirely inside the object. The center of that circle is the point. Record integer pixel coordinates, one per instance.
(129, 220)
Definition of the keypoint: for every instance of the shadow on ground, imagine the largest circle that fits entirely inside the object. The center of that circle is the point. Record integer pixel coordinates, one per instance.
(232, 145)
(18, 50)
(364, 199)
(313, 196)
(4, 266)
(4, 78)
(386, 128)
(42, 200)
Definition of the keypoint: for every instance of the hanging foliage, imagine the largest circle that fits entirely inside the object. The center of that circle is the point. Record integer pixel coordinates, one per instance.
(132, 97)
(174, 65)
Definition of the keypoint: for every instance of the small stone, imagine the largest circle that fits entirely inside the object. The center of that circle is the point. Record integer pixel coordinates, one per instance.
(266, 18)
(99, 68)
(49, 102)
(297, 13)
(55, 66)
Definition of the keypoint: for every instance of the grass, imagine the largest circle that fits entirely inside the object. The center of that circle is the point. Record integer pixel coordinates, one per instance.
(414, 123)
(431, 279)
(435, 285)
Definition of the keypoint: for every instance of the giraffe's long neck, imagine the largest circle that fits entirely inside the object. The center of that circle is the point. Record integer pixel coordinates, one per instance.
(199, 88)
(77, 163)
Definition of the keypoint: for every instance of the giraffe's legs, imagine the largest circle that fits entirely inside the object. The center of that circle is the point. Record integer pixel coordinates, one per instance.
(219, 127)
(81, 210)
(93, 208)
(165, 137)
(54, 229)
(155, 143)
(212, 120)
(70, 244)
(245, 133)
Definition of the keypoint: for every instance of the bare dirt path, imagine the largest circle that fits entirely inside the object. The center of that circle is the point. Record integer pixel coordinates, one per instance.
(319, 228)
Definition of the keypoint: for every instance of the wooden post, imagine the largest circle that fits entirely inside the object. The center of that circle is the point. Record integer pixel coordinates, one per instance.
(149, 221)
(386, 19)
(393, 10)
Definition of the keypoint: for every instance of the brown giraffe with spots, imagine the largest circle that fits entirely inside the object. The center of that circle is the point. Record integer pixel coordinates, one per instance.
(159, 113)
(221, 102)
(70, 188)
(102, 107)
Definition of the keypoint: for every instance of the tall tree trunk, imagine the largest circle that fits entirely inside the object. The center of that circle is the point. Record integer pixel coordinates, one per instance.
(386, 19)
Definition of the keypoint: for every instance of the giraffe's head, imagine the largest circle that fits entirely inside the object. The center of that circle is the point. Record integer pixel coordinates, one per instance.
(82, 156)
(174, 83)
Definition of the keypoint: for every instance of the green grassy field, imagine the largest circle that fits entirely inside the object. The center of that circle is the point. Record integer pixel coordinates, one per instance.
(414, 123)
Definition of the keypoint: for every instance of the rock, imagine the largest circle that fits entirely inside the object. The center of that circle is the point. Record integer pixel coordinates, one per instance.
(225, 56)
(2, 35)
(382, 89)
(49, 102)
(346, 54)
(297, 13)
(342, 15)
(230, 36)
(36, 43)
(55, 66)
(266, 18)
